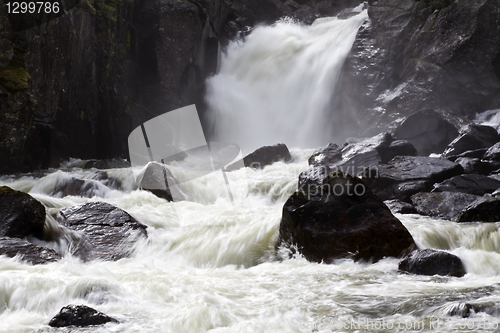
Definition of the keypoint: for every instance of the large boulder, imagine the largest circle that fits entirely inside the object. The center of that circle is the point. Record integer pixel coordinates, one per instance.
(80, 316)
(458, 207)
(34, 254)
(493, 153)
(267, 155)
(472, 184)
(400, 207)
(432, 262)
(155, 178)
(477, 166)
(428, 131)
(341, 218)
(328, 155)
(472, 137)
(404, 176)
(20, 214)
(109, 233)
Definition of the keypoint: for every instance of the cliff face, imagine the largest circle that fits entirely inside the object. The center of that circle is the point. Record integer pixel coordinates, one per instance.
(414, 55)
(78, 84)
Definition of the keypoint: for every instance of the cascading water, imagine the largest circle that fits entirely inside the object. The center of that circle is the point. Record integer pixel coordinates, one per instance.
(276, 86)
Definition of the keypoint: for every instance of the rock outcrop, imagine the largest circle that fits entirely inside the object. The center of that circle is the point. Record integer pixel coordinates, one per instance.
(341, 218)
(80, 316)
(432, 262)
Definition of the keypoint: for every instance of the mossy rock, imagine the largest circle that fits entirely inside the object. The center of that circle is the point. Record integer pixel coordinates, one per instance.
(14, 77)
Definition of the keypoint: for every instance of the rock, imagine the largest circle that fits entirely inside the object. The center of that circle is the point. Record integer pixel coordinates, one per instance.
(108, 181)
(493, 153)
(155, 178)
(466, 310)
(114, 163)
(20, 214)
(397, 148)
(458, 207)
(267, 155)
(80, 316)
(110, 231)
(477, 166)
(472, 137)
(471, 184)
(476, 153)
(78, 187)
(27, 251)
(432, 262)
(400, 207)
(341, 218)
(404, 176)
(330, 154)
(428, 131)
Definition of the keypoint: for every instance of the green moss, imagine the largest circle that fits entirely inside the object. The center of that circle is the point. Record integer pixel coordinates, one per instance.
(107, 8)
(14, 76)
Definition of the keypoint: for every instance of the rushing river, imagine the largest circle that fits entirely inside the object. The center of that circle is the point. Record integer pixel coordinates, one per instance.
(210, 268)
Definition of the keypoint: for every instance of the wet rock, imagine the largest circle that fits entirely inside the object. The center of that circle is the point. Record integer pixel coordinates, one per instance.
(267, 155)
(364, 154)
(458, 207)
(27, 251)
(20, 214)
(155, 178)
(472, 184)
(432, 262)
(400, 207)
(80, 316)
(476, 153)
(330, 154)
(428, 131)
(114, 163)
(104, 178)
(404, 176)
(472, 137)
(78, 187)
(466, 310)
(493, 153)
(477, 166)
(341, 218)
(397, 148)
(109, 233)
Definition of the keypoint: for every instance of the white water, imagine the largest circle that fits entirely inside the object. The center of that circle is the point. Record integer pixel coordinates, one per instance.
(211, 268)
(276, 86)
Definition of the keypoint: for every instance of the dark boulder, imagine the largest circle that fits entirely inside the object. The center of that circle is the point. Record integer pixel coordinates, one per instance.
(80, 316)
(342, 218)
(27, 251)
(155, 178)
(404, 176)
(458, 207)
(432, 262)
(20, 214)
(109, 233)
(428, 131)
(267, 155)
(477, 166)
(472, 184)
(78, 187)
(476, 153)
(400, 207)
(330, 154)
(493, 153)
(397, 148)
(472, 137)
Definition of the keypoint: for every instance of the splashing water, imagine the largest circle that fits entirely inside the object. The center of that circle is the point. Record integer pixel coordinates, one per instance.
(276, 86)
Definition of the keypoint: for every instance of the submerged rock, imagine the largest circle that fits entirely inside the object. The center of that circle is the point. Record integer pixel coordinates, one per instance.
(81, 316)
(267, 155)
(109, 233)
(472, 184)
(20, 214)
(341, 218)
(428, 131)
(404, 176)
(432, 262)
(78, 187)
(458, 207)
(472, 137)
(27, 251)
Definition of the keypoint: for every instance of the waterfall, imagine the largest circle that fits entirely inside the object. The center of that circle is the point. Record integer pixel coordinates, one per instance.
(276, 85)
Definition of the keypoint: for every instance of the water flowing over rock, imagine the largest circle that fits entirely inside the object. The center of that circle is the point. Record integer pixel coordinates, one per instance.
(432, 262)
(342, 218)
(109, 233)
(472, 184)
(80, 316)
(20, 214)
(77, 187)
(404, 176)
(428, 131)
(472, 137)
(34, 254)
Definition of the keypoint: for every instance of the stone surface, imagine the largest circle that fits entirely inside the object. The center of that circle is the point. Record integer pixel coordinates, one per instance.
(267, 155)
(493, 153)
(27, 251)
(477, 166)
(432, 262)
(472, 137)
(458, 207)
(404, 176)
(339, 219)
(78, 187)
(428, 131)
(20, 214)
(80, 316)
(400, 207)
(472, 184)
(109, 233)
(330, 154)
